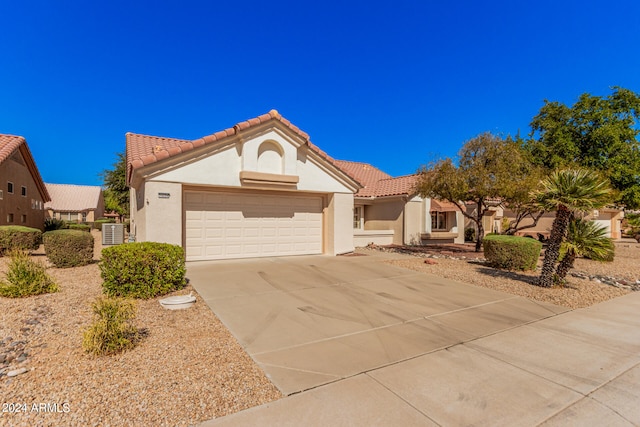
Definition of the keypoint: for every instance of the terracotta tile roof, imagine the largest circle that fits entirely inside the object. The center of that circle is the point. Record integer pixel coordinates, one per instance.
(365, 174)
(143, 150)
(377, 183)
(8, 145)
(397, 186)
(73, 198)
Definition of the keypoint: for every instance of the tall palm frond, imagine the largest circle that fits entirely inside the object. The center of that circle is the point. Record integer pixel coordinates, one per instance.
(568, 192)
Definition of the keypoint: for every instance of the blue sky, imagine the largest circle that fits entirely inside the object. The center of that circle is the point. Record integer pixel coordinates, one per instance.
(395, 84)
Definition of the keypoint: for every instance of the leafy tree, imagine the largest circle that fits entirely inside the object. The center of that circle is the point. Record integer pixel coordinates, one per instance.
(584, 238)
(568, 192)
(491, 170)
(116, 192)
(595, 133)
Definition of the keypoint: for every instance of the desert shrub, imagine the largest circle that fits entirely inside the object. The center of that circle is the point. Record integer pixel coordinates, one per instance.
(26, 277)
(142, 270)
(81, 227)
(511, 252)
(469, 234)
(112, 330)
(19, 237)
(51, 224)
(68, 248)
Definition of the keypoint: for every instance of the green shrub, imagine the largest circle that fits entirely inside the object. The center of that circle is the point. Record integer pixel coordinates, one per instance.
(51, 224)
(97, 224)
(142, 270)
(469, 234)
(81, 227)
(26, 277)
(68, 248)
(112, 330)
(511, 252)
(19, 237)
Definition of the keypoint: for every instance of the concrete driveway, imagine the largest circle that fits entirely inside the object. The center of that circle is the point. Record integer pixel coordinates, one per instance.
(309, 321)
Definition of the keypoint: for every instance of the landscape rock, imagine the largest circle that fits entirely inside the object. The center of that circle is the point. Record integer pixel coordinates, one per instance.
(16, 372)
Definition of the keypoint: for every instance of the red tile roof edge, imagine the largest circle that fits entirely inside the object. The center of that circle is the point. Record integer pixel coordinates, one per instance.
(12, 142)
(137, 160)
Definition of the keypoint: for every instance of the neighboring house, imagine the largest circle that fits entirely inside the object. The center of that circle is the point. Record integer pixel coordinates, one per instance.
(261, 188)
(609, 218)
(387, 210)
(22, 192)
(75, 203)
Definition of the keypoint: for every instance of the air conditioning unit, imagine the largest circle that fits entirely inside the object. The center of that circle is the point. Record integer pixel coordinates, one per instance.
(112, 234)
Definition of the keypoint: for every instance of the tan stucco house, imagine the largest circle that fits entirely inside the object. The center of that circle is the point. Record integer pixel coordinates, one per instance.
(262, 188)
(75, 203)
(387, 210)
(492, 221)
(22, 192)
(259, 188)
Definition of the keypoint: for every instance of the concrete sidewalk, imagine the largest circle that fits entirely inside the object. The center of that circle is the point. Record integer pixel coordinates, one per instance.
(393, 348)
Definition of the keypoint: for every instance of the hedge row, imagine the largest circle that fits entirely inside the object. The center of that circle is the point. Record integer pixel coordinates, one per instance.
(68, 248)
(19, 237)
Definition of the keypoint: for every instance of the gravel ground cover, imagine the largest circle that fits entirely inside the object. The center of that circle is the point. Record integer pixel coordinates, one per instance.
(460, 262)
(188, 367)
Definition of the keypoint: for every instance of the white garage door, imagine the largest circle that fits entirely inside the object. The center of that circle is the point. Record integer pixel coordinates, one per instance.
(237, 225)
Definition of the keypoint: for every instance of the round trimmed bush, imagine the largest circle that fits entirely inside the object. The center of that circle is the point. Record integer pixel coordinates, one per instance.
(142, 270)
(19, 237)
(511, 252)
(68, 248)
(81, 227)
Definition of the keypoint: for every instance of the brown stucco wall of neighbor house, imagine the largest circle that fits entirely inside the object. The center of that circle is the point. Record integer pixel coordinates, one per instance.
(386, 215)
(14, 170)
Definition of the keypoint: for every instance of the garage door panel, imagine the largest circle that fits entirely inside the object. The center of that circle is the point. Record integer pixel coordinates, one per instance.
(229, 225)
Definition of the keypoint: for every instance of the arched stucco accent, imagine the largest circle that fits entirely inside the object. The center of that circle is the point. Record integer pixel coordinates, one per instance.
(270, 157)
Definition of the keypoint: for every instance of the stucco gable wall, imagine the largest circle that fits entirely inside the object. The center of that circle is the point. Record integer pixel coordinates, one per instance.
(223, 168)
(14, 170)
(220, 169)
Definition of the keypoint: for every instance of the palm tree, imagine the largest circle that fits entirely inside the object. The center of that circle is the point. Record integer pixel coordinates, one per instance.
(584, 238)
(567, 191)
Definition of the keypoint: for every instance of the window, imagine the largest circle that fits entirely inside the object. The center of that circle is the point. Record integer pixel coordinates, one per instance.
(1, 194)
(10, 187)
(10, 218)
(23, 191)
(23, 219)
(358, 217)
(438, 221)
(84, 217)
